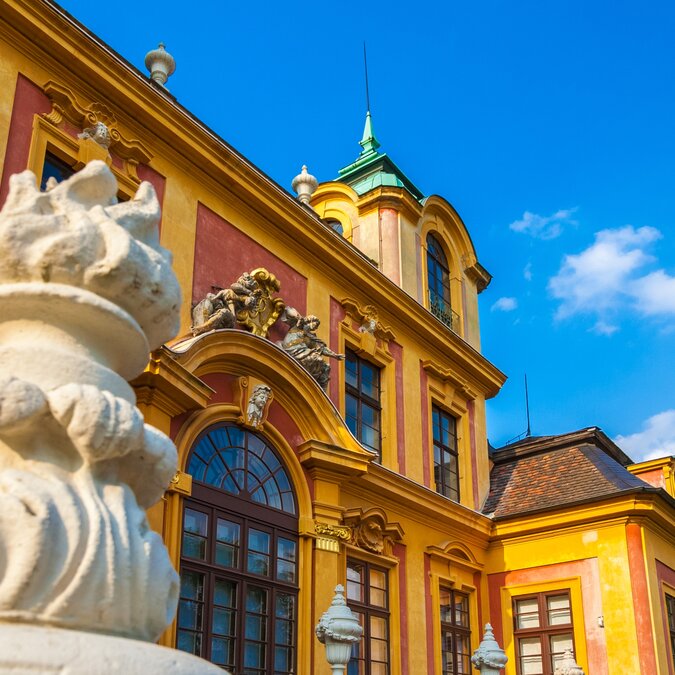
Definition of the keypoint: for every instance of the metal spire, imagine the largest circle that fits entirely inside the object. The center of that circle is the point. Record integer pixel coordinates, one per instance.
(369, 143)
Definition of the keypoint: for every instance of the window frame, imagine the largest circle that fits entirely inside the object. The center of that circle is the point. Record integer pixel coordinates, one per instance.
(438, 271)
(217, 503)
(456, 630)
(363, 399)
(441, 487)
(545, 630)
(367, 611)
(670, 618)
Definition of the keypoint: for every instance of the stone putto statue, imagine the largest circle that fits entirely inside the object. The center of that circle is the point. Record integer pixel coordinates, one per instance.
(256, 404)
(303, 344)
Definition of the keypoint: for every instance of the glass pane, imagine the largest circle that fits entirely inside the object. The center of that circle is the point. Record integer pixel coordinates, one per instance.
(256, 627)
(351, 370)
(371, 416)
(378, 650)
(256, 600)
(558, 645)
(378, 627)
(370, 381)
(283, 632)
(286, 571)
(258, 541)
(286, 549)
(196, 522)
(224, 593)
(259, 563)
(227, 532)
(462, 611)
(559, 611)
(446, 610)
(283, 659)
(192, 585)
(222, 651)
(355, 581)
(56, 168)
(254, 655)
(189, 642)
(194, 547)
(527, 612)
(223, 621)
(190, 615)
(531, 662)
(377, 668)
(285, 606)
(226, 555)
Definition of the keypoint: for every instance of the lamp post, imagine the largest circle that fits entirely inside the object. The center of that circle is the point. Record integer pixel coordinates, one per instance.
(338, 629)
(489, 658)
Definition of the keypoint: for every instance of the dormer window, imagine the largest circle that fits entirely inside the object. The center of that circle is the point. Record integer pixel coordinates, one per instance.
(336, 225)
(438, 281)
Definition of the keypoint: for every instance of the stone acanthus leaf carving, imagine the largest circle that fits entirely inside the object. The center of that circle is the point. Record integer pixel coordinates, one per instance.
(371, 531)
(248, 301)
(257, 402)
(341, 532)
(85, 292)
(303, 344)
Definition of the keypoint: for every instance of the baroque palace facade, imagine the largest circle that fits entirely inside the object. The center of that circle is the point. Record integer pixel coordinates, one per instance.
(327, 399)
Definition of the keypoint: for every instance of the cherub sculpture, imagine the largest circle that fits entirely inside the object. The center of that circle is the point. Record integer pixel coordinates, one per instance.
(219, 310)
(303, 344)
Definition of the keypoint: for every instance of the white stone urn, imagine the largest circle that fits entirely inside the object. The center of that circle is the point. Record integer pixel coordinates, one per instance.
(85, 292)
(489, 658)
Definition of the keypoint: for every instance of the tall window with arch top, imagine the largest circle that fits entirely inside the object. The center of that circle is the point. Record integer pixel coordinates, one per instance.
(438, 282)
(239, 557)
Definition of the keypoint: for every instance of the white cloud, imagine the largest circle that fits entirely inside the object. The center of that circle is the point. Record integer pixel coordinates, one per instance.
(608, 276)
(544, 227)
(527, 272)
(657, 438)
(504, 305)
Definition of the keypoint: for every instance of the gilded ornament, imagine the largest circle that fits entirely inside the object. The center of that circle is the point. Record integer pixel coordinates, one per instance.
(341, 532)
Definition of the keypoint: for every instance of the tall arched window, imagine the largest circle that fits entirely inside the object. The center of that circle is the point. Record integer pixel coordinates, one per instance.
(438, 281)
(239, 558)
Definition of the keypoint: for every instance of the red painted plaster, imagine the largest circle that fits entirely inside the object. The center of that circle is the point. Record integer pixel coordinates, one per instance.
(285, 425)
(640, 591)
(337, 314)
(587, 571)
(400, 552)
(431, 661)
(654, 477)
(29, 100)
(157, 180)
(666, 574)
(471, 406)
(396, 350)
(425, 426)
(224, 386)
(223, 252)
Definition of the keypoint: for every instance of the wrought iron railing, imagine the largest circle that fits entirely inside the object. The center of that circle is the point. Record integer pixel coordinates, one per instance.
(441, 310)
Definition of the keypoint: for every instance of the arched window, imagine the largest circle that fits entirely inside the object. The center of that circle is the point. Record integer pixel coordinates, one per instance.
(335, 224)
(438, 281)
(239, 558)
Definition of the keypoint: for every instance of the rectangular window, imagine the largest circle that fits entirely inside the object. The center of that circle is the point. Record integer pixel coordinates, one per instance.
(446, 457)
(55, 168)
(455, 633)
(368, 598)
(362, 401)
(543, 631)
(670, 607)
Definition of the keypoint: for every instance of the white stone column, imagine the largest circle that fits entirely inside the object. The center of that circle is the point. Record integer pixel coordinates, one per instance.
(85, 292)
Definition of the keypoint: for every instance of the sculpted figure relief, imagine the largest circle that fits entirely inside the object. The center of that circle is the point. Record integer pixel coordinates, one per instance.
(247, 301)
(256, 405)
(303, 344)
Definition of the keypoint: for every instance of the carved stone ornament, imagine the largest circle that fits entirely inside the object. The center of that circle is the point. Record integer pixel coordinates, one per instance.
(248, 301)
(257, 403)
(341, 532)
(85, 292)
(568, 665)
(371, 531)
(489, 658)
(368, 318)
(93, 118)
(303, 344)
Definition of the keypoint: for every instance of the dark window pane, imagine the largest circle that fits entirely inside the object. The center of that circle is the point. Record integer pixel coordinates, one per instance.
(55, 168)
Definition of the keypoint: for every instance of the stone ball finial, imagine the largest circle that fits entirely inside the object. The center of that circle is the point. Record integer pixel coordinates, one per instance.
(305, 185)
(160, 64)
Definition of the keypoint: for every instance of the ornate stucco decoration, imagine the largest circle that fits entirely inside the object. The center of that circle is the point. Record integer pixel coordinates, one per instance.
(160, 64)
(248, 301)
(368, 319)
(98, 123)
(85, 290)
(568, 665)
(372, 531)
(303, 344)
(489, 658)
(340, 532)
(257, 405)
(305, 185)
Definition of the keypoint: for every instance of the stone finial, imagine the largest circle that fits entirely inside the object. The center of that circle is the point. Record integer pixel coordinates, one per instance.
(338, 629)
(489, 658)
(160, 64)
(305, 185)
(568, 665)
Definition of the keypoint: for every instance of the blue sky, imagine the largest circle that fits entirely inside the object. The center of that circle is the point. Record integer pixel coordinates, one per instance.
(548, 125)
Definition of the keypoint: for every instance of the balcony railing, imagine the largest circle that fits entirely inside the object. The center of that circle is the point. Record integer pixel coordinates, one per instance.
(443, 312)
